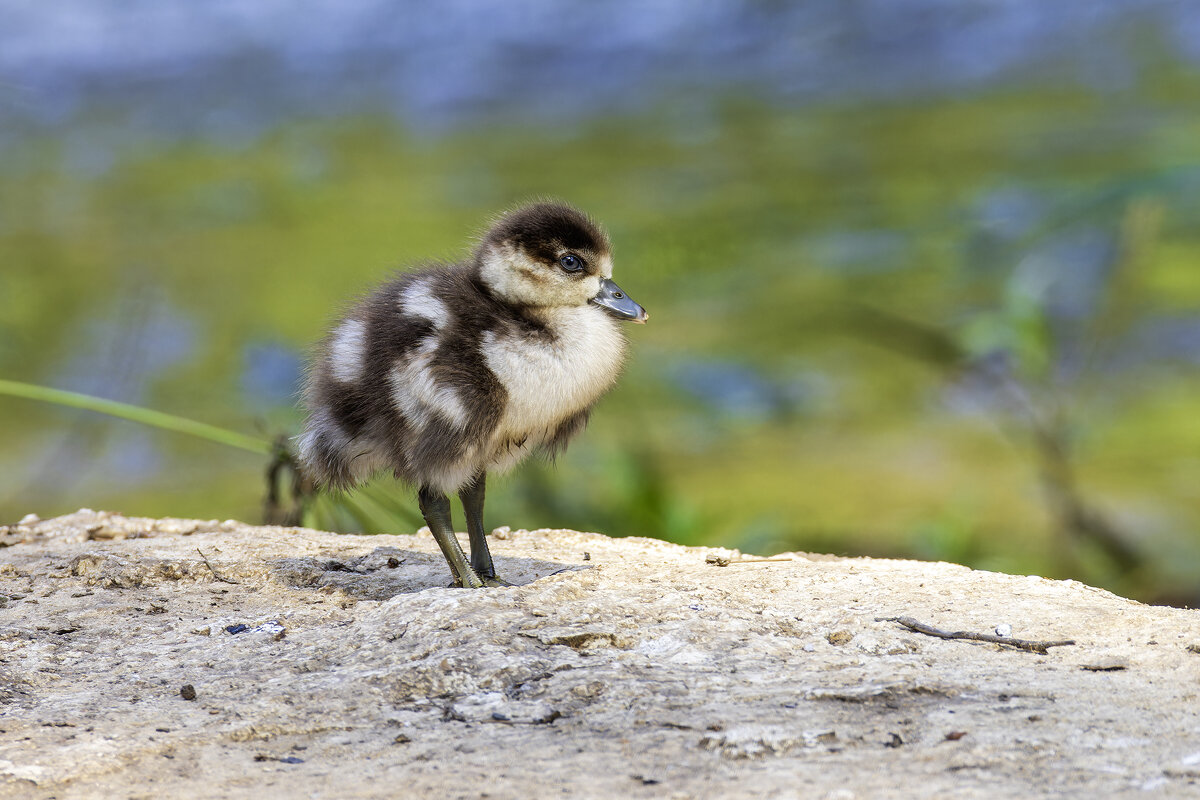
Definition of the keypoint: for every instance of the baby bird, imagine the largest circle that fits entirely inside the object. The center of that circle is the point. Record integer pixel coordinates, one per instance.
(447, 373)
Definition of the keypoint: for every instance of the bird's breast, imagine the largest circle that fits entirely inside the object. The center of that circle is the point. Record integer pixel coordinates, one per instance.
(550, 377)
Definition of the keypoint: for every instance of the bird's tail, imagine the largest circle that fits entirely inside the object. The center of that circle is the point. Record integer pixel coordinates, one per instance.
(329, 457)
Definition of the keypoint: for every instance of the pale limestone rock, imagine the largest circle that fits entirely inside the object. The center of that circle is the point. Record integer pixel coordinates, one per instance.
(341, 666)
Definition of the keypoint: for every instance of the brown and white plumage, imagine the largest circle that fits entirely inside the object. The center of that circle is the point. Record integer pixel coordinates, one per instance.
(449, 372)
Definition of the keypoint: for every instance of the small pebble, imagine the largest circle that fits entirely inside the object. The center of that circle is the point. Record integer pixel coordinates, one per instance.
(235, 629)
(30, 519)
(273, 628)
(187, 692)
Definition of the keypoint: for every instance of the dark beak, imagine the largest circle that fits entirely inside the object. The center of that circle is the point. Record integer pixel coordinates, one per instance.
(617, 303)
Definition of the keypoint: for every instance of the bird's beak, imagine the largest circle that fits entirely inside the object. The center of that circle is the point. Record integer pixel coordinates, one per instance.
(617, 303)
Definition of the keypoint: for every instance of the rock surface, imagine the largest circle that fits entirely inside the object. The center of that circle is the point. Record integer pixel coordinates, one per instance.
(334, 666)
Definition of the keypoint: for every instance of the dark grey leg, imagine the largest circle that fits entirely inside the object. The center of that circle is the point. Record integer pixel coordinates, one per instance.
(435, 507)
(472, 500)
(481, 558)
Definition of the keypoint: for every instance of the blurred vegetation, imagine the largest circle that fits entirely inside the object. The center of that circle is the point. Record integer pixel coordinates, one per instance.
(964, 329)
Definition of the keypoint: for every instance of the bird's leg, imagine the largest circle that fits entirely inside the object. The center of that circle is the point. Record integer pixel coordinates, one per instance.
(435, 507)
(472, 499)
(481, 558)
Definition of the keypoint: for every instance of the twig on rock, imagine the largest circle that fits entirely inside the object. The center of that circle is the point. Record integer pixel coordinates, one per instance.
(722, 561)
(213, 570)
(1020, 644)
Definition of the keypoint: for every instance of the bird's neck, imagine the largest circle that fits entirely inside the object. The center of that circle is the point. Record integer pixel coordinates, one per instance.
(533, 318)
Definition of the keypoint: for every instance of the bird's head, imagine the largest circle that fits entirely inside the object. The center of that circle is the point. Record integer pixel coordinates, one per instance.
(546, 255)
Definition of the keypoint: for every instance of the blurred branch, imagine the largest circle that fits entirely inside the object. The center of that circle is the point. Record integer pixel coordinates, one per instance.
(917, 340)
(1138, 237)
(1073, 514)
(300, 489)
(1044, 424)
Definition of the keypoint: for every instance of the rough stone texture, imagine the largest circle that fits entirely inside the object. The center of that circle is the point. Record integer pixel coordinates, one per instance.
(617, 668)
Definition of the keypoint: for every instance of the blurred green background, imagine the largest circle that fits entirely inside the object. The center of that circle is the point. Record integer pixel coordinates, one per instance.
(924, 276)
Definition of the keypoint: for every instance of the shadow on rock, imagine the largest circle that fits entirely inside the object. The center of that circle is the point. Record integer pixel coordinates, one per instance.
(388, 571)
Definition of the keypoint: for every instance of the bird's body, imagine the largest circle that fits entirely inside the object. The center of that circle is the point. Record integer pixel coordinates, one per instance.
(447, 373)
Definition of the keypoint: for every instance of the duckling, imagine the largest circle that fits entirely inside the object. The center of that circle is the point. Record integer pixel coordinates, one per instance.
(450, 372)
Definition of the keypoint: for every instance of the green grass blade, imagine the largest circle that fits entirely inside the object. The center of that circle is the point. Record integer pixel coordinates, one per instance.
(145, 416)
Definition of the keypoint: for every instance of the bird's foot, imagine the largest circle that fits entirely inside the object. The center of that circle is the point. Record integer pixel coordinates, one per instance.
(484, 583)
(475, 581)
(468, 581)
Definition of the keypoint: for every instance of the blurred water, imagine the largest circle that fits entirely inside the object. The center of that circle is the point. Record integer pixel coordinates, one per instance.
(861, 252)
(118, 353)
(1161, 338)
(227, 69)
(271, 374)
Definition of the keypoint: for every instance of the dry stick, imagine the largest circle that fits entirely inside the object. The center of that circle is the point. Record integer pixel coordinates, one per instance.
(722, 561)
(211, 569)
(1020, 644)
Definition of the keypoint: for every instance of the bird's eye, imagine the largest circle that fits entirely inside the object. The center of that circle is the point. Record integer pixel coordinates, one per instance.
(571, 262)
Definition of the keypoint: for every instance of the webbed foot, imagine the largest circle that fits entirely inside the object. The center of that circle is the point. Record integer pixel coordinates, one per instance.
(484, 583)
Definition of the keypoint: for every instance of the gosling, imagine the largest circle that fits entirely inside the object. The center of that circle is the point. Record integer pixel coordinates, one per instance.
(453, 371)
